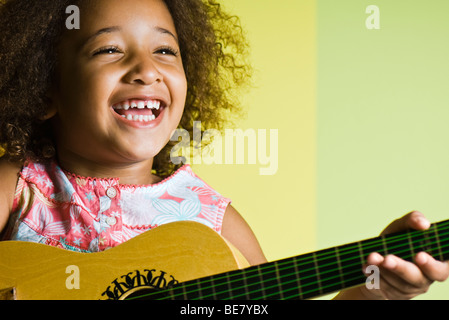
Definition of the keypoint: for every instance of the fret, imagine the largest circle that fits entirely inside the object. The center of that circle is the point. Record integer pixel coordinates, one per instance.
(270, 282)
(221, 288)
(288, 279)
(184, 293)
(308, 275)
(351, 268)
(278, 276)
(384, 245)
(329, 270)
(442, 231)
(410, 244)
(437, 239)
(197, 286)
(398, 245)
(373, 245)
(340, 269)
(317, 270)
(237, 287)
(297, 278)
(252, 286)
(174, 293)
(360, 251)
(262, 290)
(426, 243)
(421, 241)
(245, 287)
(205, 288)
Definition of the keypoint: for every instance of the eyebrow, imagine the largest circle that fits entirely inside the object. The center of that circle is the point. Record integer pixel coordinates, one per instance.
(117, 29)
(163, 30)
(102, 31)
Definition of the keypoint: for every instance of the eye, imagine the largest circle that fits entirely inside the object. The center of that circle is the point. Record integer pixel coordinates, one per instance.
(168, 51)
(107, 50)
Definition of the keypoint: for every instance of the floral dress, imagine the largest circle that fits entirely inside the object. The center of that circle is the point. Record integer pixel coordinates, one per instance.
(60, 209)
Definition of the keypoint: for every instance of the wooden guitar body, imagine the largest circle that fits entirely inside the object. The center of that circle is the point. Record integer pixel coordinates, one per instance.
(173, 253)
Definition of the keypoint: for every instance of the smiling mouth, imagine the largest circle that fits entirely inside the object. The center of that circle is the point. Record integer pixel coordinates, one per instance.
(139, 110)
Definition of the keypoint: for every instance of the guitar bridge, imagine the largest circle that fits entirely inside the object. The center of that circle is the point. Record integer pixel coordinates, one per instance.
(8, 294)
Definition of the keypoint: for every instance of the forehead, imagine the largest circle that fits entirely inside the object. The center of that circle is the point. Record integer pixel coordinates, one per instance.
(129, 14)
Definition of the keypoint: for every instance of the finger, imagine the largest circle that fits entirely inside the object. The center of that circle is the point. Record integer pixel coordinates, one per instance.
(399, 279)
(390, 291)
(389, 286)
(433, 269)
(413, 220)
(404, 274)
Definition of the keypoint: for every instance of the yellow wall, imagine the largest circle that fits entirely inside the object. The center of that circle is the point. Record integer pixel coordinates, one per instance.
(280, 208)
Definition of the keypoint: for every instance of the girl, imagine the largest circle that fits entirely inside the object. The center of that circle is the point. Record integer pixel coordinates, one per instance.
(87, 116)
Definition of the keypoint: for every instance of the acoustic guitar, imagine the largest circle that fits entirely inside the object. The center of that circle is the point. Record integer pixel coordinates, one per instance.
(187, 260)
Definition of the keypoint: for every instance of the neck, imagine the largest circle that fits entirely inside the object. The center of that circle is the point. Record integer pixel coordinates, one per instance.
(133, 173)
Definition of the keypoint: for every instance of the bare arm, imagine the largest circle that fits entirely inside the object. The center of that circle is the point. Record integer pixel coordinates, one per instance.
(238, 232)
(8, 181)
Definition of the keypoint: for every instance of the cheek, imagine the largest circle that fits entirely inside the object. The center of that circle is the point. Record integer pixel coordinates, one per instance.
(84, 93)
(179, 91)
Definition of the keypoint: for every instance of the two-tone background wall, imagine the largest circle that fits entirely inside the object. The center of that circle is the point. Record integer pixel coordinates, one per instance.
(362, 117)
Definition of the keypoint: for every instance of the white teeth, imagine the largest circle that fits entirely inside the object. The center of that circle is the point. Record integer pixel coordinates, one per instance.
(151, 104)
(154, 104)
(139, 104)
(144, 118)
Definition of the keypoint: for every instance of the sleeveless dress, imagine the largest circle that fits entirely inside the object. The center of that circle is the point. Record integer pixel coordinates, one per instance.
(58, 208)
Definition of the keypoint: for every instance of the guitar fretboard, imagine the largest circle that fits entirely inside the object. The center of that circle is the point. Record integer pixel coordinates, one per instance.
(312, 274)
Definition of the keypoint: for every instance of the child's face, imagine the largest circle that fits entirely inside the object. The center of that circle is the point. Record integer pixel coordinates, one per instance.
(125, 53)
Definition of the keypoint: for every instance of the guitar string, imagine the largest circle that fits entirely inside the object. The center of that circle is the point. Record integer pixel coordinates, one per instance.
(328, 270)
(354, 278)
(308, 284)
(347, 250)
(328, 278)
(354, 271)
(298, 258)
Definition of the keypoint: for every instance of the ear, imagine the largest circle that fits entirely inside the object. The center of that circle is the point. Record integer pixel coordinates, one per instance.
(51, 112)
(51, 106)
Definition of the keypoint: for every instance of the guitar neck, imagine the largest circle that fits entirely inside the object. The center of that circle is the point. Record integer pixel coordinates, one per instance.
(312, 274)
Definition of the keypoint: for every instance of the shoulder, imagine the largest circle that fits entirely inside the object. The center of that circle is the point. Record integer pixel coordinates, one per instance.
(237, 231)
(9, 176)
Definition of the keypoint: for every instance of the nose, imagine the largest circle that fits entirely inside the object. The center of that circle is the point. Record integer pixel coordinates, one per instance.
(143, 70)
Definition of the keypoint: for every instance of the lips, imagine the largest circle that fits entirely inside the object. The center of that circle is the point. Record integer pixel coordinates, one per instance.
(138, 110)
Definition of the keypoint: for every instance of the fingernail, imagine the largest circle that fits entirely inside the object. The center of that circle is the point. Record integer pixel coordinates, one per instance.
(424, 222)
(390, 262)
(421, 259)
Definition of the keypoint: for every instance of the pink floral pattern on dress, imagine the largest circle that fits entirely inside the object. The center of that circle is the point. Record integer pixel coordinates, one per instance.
(61, 209)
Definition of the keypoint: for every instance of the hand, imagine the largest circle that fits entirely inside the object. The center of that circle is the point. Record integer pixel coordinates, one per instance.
(400, 279)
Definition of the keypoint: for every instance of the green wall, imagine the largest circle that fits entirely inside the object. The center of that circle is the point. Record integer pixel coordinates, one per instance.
(382, 117)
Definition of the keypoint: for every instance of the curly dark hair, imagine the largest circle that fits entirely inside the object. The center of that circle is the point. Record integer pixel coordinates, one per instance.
(214, 53)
